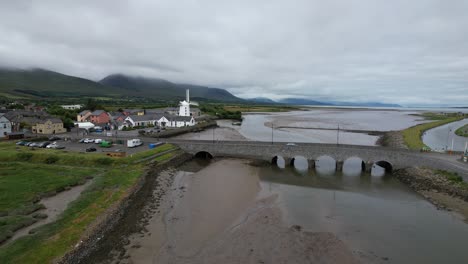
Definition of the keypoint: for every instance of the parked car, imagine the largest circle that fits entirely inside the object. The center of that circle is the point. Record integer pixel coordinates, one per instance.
(81, 140)
(21, 143)
(91, 149)
(98, 140)
(34, 144)
(88, 140)
(43, 144)
(55, 146)
(54, 138)
(291, 144)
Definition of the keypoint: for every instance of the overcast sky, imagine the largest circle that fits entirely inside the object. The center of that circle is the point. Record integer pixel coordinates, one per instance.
(398, 51)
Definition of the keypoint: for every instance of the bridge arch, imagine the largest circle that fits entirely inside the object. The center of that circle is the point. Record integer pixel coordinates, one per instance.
(385, 164)
(279, 161)
(325, 164)
(299, 162)
(203, 155)
(354, 165)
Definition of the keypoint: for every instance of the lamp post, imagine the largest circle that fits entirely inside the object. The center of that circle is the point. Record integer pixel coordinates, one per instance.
(338, 135)
(272, 133)
(448, 136)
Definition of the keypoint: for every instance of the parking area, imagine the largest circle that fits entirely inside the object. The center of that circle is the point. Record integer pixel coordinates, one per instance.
(118, 144)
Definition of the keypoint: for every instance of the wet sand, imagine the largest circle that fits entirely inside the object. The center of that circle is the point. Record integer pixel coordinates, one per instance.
(217, 215)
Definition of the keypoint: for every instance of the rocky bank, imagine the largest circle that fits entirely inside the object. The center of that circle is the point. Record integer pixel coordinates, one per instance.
(436, 188)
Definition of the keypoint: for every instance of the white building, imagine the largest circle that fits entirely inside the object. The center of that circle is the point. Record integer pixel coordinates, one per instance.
(184, 106)
(71, 107)
(5, 126)
(181, 121)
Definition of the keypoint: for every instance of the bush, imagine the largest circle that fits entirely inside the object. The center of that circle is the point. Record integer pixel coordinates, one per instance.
(24, 156)
(51, 159)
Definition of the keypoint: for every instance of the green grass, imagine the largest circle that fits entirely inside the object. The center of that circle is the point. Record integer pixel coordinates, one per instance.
(22, 182)
(462, 131)
(165, 157)
(412, 135)
(454, 178)
(111, 184)
(147, 153)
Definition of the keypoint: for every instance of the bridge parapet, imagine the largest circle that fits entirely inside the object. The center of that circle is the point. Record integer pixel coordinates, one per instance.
(369, 155)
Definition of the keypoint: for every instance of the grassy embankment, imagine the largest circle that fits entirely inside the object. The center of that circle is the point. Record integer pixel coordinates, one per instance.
(462, 131)
(27, 175)
(412, 136)
(453, 178)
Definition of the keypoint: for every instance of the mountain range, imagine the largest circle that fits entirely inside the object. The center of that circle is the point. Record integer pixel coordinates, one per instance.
(40, 83)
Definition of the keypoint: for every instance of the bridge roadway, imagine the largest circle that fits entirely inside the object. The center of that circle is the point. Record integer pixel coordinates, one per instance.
(389, 158)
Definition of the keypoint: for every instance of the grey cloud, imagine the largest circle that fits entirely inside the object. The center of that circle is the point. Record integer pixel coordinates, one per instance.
(409, 52)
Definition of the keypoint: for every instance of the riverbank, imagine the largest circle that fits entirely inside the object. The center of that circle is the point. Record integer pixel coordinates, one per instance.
(114, 180)
(413, 136)
(118, 221)
(445, 190)
(462, 131)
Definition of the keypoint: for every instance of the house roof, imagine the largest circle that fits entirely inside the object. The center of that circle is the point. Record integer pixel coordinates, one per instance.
(97, 112)
(84, 112)
(139, 118)
(182, 118)
(53, 120)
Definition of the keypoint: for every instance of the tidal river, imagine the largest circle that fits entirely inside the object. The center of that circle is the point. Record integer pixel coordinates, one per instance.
(236, 211)
(313, 126)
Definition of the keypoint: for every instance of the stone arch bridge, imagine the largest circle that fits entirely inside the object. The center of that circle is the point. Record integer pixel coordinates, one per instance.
(388, 158)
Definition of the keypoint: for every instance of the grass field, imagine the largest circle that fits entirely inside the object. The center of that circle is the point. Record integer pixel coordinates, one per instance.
(462, 131)
(21, 182)
(412, 136)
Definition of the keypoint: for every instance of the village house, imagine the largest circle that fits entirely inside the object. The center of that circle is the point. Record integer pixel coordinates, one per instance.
(49, 126)
(5, 125)
(181, 121)
(146, 120)
(83, 116)
(22, 119)
(99, 117)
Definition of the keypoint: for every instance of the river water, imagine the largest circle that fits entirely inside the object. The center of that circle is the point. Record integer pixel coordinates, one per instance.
(313, 126)
(230, 211)
(441, 138)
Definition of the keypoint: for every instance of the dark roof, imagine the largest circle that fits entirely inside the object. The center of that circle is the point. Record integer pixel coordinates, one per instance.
(155, 111)
(53, 120)
(182, 118)
(97, 112)
(137, 118)
(84, 112)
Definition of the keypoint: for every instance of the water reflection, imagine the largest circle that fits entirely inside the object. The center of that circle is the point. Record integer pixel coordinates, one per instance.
(300, 164)
(279, 162)
(373, 213)
(325, 165)
(353, 167)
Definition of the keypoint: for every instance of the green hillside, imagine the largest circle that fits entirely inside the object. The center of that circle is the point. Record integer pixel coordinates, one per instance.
(39, 83)
(42, 83)
(162, 89)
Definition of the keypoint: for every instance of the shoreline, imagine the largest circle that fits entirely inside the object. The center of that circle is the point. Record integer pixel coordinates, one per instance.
(436, 188)
(91, 243)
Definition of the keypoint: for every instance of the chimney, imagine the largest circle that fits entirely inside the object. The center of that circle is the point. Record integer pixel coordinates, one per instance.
(188, 95)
